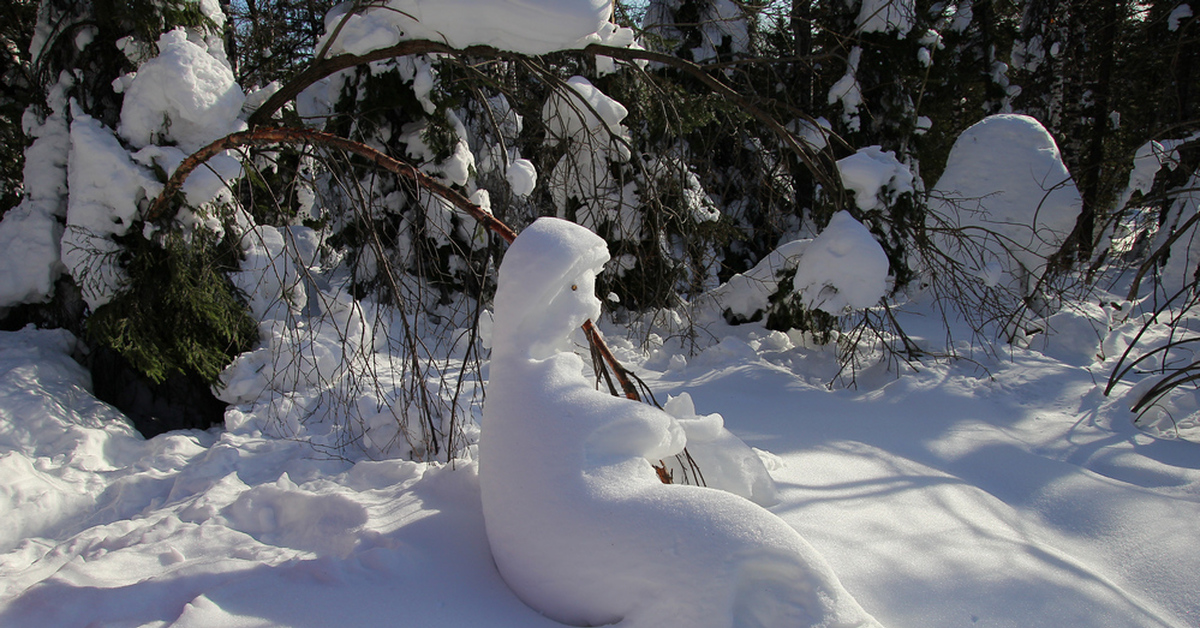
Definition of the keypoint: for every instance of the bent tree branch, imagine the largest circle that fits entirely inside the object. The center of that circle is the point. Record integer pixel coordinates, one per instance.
(267, 137)
(326, 67)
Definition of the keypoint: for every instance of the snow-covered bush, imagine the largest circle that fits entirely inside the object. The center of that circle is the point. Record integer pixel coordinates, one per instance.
(1002, 209)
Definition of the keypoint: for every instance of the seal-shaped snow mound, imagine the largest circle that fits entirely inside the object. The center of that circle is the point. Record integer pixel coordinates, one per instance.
(578, 522)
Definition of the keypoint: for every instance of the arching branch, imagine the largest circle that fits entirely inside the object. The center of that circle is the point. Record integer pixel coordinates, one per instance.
(265, 137)
(327, 67)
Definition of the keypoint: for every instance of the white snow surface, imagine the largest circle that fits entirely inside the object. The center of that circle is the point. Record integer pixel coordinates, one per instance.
(884, 16)
(874, 176)
(1005, 185)
(1009, 497)
(522, 176)
(1178, 15)
(30, 232)
(843, 268)
(184, 95)
(106, 186)
(581, 527)
(527, 26)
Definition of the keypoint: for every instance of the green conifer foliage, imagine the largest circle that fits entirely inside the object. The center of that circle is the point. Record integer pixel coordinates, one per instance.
(180, 314)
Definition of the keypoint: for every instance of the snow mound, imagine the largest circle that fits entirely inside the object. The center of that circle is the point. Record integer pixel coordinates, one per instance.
(844, 267)
(746, 294)
(579, 524)
(1006, 187)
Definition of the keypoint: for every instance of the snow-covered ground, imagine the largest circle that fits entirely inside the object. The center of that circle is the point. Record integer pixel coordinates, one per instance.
(1003, 492)
(1000, 490)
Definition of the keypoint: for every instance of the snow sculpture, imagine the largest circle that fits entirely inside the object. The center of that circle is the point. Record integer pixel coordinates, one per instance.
(579, 524)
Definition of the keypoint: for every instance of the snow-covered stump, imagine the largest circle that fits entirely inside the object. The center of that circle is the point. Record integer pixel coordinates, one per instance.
(580, 526)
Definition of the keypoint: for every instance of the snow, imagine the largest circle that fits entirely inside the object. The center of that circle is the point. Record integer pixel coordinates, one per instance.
(1178, 15)
(522, 176)
(875, 176)
(580, 525)
(1005, 186)
(531, 27)
(748, 293)
(720, 23)
(185, 95)
(1004, 492)
(843, 268)
(882, 16)
(1012, 497)
(106, 186)
(31, 231)
(848, 91)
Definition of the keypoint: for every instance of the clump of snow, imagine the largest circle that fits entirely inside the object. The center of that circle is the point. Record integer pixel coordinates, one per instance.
(725, 461)
(580, 526)
(883, 16)
(814, 133)
(746, 294)
(875, 177)
(1185, 255)
(522, 176)
(184, 96)
(848, 91)
(843, 268)
(584, 113)
(589, 122)
(1147, 161)
(531, 27)
(1178, 15)
(106, 187)
(1006, 188)
(30, 232)
(721, 25)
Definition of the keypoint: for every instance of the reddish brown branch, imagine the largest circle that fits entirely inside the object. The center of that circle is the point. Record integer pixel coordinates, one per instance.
(327, 67)
(266, 137)
(622, 375)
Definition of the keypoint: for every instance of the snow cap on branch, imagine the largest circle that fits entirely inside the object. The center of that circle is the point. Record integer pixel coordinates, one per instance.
(530, 27)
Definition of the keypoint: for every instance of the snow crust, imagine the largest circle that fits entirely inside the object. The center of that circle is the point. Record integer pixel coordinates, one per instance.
(1005, 185)
(580, 526)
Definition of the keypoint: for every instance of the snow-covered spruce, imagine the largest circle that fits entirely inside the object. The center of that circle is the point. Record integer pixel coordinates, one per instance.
(580, 526)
